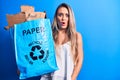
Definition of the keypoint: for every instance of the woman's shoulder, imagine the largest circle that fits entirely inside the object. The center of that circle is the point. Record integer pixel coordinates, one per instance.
(78, 37)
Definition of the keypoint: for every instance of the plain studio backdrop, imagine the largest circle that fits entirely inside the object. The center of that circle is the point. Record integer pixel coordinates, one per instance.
(97, 20)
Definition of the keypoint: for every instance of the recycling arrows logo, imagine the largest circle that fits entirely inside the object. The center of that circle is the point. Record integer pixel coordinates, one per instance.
(37, 52)
(32, 54)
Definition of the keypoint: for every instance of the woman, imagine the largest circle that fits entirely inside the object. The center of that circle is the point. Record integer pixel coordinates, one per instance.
(68, 45)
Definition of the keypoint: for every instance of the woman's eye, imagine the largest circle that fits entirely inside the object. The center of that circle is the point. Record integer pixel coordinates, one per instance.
(67, 15)
(60, 14)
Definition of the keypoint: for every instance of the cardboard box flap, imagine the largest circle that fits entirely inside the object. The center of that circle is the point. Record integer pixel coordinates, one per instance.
(15, 19)
(36, 15)
(27, 9)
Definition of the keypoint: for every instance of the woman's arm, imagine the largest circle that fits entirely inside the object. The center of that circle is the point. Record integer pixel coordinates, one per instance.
(79, 59)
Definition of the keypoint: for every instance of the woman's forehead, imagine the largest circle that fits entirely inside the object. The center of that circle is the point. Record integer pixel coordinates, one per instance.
(62, 9)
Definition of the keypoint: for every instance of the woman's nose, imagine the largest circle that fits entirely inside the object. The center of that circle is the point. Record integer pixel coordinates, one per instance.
(64, 17)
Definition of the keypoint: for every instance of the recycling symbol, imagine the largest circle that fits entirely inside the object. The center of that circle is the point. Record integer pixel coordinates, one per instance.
(32, 54)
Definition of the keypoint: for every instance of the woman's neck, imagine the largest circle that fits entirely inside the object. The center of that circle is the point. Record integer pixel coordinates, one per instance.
(62, 31)
(62, 37)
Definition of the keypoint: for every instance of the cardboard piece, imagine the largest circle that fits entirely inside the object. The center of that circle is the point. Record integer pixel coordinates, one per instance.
(27, 10)
(36, 15)
(15, 19)
(27, 13)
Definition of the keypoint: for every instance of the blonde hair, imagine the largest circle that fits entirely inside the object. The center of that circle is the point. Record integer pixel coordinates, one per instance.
(71, 29)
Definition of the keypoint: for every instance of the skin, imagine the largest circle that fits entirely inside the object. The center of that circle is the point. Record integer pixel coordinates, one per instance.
(79, 51)
(62, 19)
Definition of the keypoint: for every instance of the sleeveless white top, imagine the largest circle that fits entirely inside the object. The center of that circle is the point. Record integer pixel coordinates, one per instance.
(64, 61)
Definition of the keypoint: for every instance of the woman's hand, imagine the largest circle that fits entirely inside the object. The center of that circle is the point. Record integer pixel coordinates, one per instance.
(18, 72)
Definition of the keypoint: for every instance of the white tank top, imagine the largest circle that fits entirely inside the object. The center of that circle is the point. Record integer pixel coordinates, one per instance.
(64, 61)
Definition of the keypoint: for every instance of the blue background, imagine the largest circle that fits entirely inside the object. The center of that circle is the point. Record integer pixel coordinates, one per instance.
(97, 20)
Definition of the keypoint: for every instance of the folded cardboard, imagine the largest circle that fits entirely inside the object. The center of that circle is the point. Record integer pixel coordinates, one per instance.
(27, 9)
(27, 13)
(35, 15)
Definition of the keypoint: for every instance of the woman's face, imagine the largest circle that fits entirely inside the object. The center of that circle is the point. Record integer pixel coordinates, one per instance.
(62, 18)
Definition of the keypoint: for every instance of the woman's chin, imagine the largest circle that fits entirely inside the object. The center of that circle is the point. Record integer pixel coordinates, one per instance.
(63, 28)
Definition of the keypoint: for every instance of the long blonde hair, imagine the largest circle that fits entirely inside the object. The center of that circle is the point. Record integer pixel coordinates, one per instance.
(71, 29)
